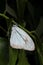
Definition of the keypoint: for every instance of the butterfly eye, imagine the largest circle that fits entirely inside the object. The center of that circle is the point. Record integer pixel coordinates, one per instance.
(21, 40)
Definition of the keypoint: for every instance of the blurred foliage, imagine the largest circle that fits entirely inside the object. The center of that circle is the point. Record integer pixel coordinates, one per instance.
(18, 57)
(29, 14)
(4, 53)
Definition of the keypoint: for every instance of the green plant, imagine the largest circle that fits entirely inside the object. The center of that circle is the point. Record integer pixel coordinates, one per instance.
(21, 13)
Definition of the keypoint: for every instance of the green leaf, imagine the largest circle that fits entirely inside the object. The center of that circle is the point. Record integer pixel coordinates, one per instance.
(13, 53)
(4, 51)
(30, 9)
(39, 29)
(11, 11)
(17, 55)
(21, 7)
(40, 56)
(22, 58)
(39, 49)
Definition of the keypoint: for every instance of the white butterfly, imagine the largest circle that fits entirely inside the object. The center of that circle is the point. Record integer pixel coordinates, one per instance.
(21, 40)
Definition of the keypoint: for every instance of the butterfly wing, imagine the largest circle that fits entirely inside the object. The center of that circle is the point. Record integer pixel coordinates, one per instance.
(16, 40)
(21, 40)
(29, 43)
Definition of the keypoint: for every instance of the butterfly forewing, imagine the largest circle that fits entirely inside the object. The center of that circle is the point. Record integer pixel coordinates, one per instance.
(16, 40)
(21, 40)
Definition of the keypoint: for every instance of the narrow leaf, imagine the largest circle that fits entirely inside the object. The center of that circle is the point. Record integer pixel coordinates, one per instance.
(21, 7)
(22, 58)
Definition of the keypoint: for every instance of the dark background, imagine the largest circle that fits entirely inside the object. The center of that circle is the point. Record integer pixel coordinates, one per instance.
(31, 22)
